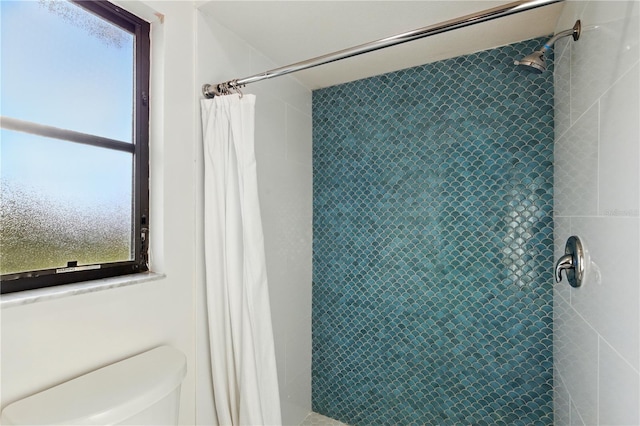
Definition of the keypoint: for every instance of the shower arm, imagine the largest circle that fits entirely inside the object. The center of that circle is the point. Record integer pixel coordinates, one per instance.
(574, 32)
(225, 88)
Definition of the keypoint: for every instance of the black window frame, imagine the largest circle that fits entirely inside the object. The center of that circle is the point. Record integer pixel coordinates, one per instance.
(140, 28)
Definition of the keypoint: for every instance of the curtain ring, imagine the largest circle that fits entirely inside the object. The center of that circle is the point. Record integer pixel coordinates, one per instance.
(236, 87)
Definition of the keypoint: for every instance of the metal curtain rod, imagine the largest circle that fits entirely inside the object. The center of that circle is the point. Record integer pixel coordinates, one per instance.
(227, 87)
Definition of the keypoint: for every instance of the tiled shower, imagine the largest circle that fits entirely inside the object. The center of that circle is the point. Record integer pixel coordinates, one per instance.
(596, 339)
(433, 244)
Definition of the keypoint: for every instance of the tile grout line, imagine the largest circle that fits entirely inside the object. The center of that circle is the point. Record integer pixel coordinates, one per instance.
(598, 382)
(598, 168)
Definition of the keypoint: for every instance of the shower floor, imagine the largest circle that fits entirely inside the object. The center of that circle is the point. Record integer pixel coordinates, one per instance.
(315, 419)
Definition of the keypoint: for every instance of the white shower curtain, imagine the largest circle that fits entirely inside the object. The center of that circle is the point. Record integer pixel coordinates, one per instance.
(243, 364)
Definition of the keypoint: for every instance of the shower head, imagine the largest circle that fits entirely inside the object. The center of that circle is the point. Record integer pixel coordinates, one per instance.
(535, 62)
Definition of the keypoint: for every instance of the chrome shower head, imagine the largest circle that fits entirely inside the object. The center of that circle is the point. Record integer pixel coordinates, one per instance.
(535, 62)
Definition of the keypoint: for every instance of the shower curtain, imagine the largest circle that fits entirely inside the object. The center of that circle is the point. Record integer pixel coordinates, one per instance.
(243, 364)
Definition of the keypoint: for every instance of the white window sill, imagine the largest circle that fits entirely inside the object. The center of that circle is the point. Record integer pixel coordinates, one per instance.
(39, 295)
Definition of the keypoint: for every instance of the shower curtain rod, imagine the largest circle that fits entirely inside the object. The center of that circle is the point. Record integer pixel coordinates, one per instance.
(209, 91)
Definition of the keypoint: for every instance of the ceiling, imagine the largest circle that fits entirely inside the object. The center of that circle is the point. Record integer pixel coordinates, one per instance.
(293, 31)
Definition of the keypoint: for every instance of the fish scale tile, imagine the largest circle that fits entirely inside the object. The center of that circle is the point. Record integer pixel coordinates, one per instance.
(433, 245)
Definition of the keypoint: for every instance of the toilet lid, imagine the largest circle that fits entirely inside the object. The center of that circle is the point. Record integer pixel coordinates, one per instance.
(105, 396)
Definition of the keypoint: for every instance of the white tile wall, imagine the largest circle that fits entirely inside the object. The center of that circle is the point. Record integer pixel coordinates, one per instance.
(609, 299)
(597, 190)
(618, 159)
(576, 167)
(283, 154)
(619, 386)
(562, 405)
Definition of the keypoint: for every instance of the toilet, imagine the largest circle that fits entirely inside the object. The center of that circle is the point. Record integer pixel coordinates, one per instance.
(141, 390)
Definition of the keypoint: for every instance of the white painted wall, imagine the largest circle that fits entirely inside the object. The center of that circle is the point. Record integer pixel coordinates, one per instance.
(597, 193)
(283, 151)
(49, 342)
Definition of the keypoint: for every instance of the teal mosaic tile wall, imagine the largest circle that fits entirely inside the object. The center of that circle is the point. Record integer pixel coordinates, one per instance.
(433, 237)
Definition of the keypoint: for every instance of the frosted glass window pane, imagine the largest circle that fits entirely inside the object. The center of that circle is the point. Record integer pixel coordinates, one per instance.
(62, 202)
(65, 67)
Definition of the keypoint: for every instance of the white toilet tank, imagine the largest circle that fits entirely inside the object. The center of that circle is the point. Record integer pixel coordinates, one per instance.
(141, 390)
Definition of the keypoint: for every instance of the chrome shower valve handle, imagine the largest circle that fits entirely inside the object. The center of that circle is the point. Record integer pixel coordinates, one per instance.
(573, 262)
(565, 262)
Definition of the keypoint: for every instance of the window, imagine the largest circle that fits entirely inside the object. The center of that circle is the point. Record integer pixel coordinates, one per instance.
(73, 143)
